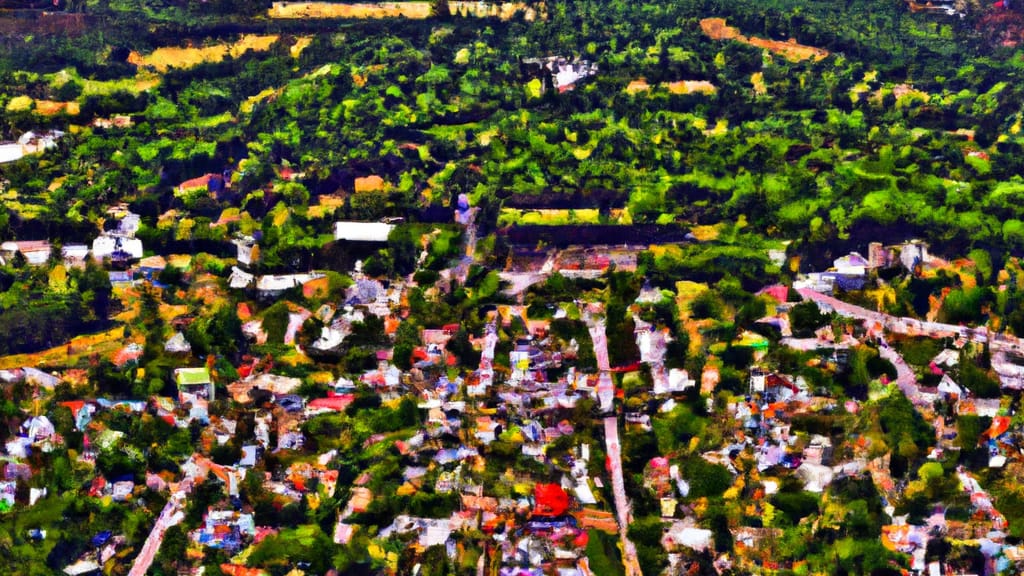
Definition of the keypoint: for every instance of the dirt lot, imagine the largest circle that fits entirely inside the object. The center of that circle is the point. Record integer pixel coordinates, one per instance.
(716, 29)
(414, 10)
(51, 108)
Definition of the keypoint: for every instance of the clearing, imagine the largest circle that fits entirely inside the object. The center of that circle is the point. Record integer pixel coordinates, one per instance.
(414, 10)
(677, 87)
(103, 344)
(716, 29)
(167, 57)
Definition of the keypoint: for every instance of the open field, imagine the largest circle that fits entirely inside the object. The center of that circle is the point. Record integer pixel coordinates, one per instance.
(167, 57)
(103, 344)
(677, 87)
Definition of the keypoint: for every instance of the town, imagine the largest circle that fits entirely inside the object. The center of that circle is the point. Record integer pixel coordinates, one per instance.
(557, 415)
(588, 288)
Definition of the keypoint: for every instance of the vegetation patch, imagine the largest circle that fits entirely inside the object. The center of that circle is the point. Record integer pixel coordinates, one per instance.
(167, 57)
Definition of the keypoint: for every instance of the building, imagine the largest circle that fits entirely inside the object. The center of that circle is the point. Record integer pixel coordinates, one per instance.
(74, 255)
(115, 247)
(362, 231)
(244, 253)
(194, 382)
(36, 252)
(28, 143)
(878, 256)
(275, 285)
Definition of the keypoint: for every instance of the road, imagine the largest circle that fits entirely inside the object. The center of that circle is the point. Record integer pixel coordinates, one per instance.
(1001, 345)
(171, 515)
(606, 390)
(622, 507)
(907, 380)
(912, 326)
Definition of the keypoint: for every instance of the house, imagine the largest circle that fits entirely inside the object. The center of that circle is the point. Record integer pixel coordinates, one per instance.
(119, 121)
(37, 377)
(215, 183)
(116, 247)
(120, 277)
(36, 252)
(678, 381)
(225, 529)
(362, 231)
(240, 279)
(561, 72)
(151, 266)
(194, 382)
(74, 255)
(177, 344)
(126, 222)
(244, 250)
(852, 263)
(819, 451)
(911, 254)
(29, 143)
(274, 285)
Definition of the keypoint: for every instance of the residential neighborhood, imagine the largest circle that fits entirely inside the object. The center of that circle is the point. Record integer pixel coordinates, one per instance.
(588, 288)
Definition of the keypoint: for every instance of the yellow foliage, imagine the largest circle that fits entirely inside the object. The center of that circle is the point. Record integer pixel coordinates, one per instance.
(165, 58)
(534, 88)
(58, 278)
(20, 104)
(757, 80)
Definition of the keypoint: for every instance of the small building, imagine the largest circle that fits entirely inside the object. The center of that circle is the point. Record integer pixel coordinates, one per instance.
(74, 255)
(194, 382)
(36, 252)
(362, 231)
(244, 250)
(275, 285)
(29, 143)
(114, 247)
(819, 451)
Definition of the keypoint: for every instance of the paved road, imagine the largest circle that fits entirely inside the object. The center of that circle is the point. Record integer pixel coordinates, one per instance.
(912, 326)
(907, 381)
(622, 507)
(171, 514)
(905, 377)
(605, 387)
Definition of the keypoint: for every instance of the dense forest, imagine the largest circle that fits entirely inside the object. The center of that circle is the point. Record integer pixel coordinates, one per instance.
(909, 124)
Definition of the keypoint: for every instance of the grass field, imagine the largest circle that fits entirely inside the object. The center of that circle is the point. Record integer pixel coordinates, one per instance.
(167, 57)
(104, 344)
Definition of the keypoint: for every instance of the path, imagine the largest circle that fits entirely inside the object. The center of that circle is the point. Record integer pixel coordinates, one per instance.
(1001, 346)
(907, 380)
(171, 515)
(606, 392)
(622, 507)
(912, 326)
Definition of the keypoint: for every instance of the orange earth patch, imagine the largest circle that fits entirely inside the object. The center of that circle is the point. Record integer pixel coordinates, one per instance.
(716, 29)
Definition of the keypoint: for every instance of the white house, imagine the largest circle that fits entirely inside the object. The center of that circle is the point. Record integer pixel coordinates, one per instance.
(36, 252)
(28, 143)
(271, 285)
(104, 247)
(74, 254)
(362, 231)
